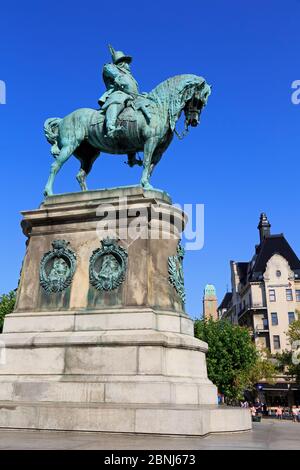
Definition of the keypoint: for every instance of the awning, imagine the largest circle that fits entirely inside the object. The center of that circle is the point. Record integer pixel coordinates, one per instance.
(279, 387)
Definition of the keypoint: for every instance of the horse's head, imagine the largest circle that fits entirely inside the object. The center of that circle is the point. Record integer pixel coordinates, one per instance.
(188, 93)
(194, 105)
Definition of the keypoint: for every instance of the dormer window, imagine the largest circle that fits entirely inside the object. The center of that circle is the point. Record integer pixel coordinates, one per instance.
(278, 273)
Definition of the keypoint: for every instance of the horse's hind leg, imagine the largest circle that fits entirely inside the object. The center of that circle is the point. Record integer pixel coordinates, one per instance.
(86, 167)
(63, 156)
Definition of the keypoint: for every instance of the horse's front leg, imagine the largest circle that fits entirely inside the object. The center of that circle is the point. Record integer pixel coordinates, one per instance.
(149, 148)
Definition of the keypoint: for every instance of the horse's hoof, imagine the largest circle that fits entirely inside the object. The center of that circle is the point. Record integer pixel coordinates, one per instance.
(48, 193)
(146, 185)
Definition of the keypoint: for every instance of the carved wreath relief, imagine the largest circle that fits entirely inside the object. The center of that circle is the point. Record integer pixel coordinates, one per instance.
(57, 267)
(108, 265)
(175, 268)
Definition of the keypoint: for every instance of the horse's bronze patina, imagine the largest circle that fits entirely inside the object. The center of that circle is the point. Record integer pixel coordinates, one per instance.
(146, 123)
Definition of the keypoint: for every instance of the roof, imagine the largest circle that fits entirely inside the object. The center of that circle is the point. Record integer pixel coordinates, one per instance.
(242, 269)
(210, 291)
(271, 245)
(226, 300)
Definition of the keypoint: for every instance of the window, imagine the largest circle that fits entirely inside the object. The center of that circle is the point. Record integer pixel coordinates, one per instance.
(278, 273)
(291, 317)
(274, 318)
(289, 294)
(276, 341)
(265, 324)
(297, 295)
(272, 295)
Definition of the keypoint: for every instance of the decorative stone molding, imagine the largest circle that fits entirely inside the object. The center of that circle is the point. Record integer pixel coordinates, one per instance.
(108, 265)
(57, 267)
(175, 269)
(278, 263)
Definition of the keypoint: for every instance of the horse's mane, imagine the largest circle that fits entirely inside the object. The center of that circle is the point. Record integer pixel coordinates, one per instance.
(172, 93)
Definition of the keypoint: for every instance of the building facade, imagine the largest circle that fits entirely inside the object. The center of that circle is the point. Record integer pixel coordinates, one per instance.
(265, 293)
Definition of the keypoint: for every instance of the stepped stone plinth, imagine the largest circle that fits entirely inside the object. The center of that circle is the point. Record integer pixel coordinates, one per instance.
(99, 339)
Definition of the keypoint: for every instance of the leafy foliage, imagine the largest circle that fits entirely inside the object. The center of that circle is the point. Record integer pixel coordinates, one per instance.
(263, 369)
(293, 333)
(231, 357)
(286, 366)
(285, 359)
(7, 303)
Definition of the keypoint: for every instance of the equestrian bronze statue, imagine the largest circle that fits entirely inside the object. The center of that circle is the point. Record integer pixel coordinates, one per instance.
(127, 122)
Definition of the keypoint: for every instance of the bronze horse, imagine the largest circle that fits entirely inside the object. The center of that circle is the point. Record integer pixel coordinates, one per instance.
(83, 133)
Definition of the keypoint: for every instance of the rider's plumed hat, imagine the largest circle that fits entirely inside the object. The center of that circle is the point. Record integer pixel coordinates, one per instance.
(119, 56)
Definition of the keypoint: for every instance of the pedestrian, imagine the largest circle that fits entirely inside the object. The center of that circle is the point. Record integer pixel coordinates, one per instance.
(244, 404)
(279, 412)
(298, 413)
(295, 413)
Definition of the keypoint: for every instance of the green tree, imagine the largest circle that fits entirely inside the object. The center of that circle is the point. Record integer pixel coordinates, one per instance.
(287, 366)
(7, 303)
(286, 359)
(231, 356)
(293, 333)
(265, 368)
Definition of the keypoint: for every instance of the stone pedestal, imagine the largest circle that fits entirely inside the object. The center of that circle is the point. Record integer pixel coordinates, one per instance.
(86, 355)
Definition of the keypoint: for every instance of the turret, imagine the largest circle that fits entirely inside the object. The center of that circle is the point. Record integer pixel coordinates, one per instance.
(210, 302)
(264, 227)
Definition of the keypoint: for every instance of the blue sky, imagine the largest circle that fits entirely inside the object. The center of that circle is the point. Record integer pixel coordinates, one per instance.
(241, 160)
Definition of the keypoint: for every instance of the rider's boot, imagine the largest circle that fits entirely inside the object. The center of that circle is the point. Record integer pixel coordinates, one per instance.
(111, 119)
(132, 160)
(146, 113)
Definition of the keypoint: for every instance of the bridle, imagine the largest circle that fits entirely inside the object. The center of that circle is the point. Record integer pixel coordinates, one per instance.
(192, 111)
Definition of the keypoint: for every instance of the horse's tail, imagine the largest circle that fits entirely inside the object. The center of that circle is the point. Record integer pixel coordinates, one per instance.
(51, 132)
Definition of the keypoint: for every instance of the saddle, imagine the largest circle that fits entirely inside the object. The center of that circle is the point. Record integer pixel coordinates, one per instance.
(134, 104)
(128, 114)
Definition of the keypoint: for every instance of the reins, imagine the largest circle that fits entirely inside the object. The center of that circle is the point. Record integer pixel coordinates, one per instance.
(184, 133)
